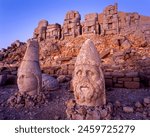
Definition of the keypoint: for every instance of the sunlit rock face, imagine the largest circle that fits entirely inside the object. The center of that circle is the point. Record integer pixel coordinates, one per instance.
(88, 79)
(29, 73)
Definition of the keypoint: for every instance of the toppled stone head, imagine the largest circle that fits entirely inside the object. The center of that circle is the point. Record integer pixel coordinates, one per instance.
(88, 80)
(29, 74)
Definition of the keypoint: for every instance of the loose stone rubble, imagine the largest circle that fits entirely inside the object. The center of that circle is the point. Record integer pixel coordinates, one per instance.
(25, 101)
(78, 112)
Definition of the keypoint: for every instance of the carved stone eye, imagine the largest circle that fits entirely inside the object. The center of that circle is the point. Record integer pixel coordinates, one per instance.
(79, 73)
(89, 73)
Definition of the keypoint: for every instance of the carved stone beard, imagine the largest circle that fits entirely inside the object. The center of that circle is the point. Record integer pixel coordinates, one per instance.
(84, 90)
(88, 83)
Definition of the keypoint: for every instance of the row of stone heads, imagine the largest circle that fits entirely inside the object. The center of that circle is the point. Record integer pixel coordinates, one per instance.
(109, 23)
(71, 26)
(88, 80)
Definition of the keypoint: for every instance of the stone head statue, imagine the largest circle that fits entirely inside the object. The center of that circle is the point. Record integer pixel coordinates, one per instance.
(29, 74)
(40, 31)
(88, 79)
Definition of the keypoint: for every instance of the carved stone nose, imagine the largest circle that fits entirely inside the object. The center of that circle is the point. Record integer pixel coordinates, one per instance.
(84, 74)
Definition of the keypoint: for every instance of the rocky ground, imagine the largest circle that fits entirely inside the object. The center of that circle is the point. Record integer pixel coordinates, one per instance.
(126, 104)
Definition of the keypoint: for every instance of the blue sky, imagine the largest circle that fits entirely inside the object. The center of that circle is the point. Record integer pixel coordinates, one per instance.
(18, 18)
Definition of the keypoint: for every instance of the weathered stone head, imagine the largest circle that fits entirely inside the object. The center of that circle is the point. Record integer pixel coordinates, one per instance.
(88, 80)
(73, 16)
(40, 31)
(29, 73)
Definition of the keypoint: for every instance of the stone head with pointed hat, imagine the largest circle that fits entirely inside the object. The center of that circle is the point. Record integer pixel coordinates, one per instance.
(88, 79)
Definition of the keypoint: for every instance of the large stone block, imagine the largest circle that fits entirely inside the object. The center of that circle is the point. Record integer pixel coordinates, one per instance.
(118, 85)
(49, 83)
(125, 79)
(132, 74)
(132, 85)
(118, 74)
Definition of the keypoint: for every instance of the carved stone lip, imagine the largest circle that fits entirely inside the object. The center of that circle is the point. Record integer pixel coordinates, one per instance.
(84, 87)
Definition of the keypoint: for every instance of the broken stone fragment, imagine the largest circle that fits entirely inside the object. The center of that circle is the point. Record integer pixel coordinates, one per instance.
(117, 103)
(126, 44)
(70, 104)
(78, 112)
(61, 78)
(19, 100)
(147, 100)
(103, 113)
(138, 104)
(128, 109)
(49, 83)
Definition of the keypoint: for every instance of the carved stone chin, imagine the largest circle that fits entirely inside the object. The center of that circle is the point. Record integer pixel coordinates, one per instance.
(88, 79)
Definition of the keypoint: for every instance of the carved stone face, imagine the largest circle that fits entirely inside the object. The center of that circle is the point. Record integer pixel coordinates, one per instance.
(27, 83)
(88, 85)
(88, 80)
